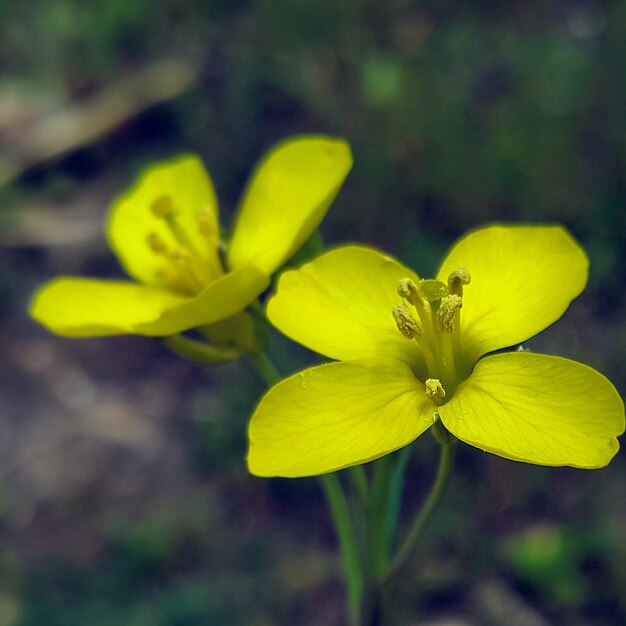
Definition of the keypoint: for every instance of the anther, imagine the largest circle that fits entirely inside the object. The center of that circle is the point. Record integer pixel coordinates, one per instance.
(163, 207)
(445, 315)
(435, 388)
(408, 290)
(156, 244)
(179, 254)
(457, 279)
(405, 322)
(206, 222)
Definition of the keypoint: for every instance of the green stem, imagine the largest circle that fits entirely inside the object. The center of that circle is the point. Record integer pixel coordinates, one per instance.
(395, 494)
(347, 544)
(200, 351)
(375, 543)
(444, 472)
(372, 608)
(359, 479)
(265, 367)
(377, 515)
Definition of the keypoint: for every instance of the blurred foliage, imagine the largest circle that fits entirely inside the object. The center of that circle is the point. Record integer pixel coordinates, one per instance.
(569, 568)
(458, 113)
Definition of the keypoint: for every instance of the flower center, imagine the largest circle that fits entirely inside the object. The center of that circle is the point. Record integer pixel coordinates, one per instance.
(430, 314)
(189, 268)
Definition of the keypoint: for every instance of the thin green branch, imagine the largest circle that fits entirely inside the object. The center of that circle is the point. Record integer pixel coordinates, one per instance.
(444, 472)
(359, 479)
(347, 543)
(396, 490)
(265, 367)
(377, 514)
(200, 351)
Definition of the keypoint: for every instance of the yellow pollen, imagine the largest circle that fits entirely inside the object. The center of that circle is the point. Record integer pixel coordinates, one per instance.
(156, 244)
(408, 290)
(192, 268)
(457, 279)
(163, 207)
(405, 321)
(187, 273)
(179, 254)
(445, 315)
(434, 388)
(206, 222)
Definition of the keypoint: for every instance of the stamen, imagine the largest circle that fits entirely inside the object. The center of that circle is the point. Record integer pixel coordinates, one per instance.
(204, 272)
(156, 244)
(405, 321)
(457, 279)
(186, 266)
(431, 316)
(445, 315)
(206, 222)
(193, 268)
(408, 290)
(179, 254)
(434, 388)
(163, 207)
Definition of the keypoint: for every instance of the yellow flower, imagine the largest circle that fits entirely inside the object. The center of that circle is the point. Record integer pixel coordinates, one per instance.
(165, 232)
(412, 351)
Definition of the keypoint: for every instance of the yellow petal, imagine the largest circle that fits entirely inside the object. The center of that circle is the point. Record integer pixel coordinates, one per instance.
(340, 305)
(538, 409)
(227, 296)
(523, 280)
(79, 307)
(286, 199)
(131, 220)
(332, 416)
(82, 307)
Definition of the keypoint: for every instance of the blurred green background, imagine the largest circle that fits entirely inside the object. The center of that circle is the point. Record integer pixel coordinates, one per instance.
(124, 496)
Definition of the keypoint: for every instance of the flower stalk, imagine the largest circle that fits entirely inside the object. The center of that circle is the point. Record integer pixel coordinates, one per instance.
(425, 514)
(367, 571)
(200, 351)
